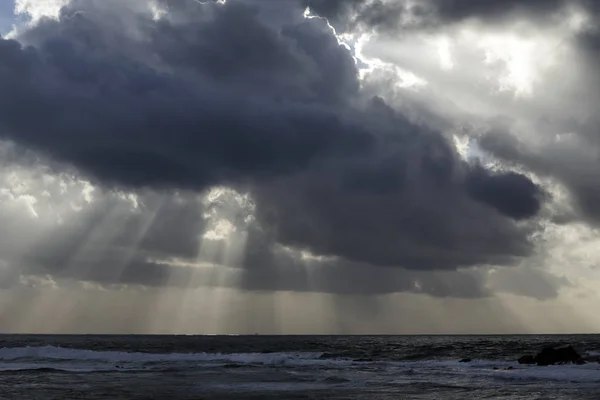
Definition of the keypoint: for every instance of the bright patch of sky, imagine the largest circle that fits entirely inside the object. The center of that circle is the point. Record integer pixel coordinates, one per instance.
(7, 16)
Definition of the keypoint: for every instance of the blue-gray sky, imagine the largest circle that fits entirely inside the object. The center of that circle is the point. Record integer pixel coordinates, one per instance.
(6, 16)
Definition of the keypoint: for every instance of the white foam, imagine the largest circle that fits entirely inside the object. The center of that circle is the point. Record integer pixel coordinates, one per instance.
(454, 364)
(60, 353)
(76, 360)
(16, 367)
(588, 373)
(271, 386)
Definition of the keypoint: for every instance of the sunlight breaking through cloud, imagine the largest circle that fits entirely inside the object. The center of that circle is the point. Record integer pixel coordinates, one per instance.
(299, 166)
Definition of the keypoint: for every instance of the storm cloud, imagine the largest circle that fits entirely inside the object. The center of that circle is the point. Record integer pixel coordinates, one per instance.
(386, 14)
(253, 96)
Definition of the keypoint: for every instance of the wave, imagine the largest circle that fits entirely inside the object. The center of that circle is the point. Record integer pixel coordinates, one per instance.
(49, 367)
(560, 373)
(507, 370)
(68, 354)
(48, 359)
(40, 370)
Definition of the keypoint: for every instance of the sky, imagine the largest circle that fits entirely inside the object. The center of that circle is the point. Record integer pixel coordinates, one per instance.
(300, 166)
(6, 16)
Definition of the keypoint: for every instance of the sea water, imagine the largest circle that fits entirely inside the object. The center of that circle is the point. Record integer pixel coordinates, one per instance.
(290, 367)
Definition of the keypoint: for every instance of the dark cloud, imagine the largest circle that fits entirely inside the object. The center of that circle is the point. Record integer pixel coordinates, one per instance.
(460, 9)
(281, 270)
(347, 15)
(385, 15)
(221, 94)
(571, 160)
(417, 215)
(176, 126)
(510, 193)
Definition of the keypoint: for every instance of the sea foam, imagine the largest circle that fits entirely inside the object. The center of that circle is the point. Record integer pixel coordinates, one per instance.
(61, 353)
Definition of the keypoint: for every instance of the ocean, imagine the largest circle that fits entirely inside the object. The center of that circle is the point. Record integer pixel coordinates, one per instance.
(290, 367)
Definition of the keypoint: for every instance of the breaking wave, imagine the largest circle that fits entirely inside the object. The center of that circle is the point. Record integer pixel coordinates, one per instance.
(51, 359)
(65, 354)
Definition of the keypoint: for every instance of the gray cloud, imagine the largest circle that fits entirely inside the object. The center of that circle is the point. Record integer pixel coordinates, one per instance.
(226, 94)
(571, 160)
(561, 139)
(452, 9)
(101, 104)
(418, 215)
(385, 15)
(510, 193)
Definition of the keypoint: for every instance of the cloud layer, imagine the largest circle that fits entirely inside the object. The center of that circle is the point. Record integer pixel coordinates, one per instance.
(350, 189)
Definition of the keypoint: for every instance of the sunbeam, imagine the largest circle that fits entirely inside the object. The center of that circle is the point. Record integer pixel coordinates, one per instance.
(233, 166)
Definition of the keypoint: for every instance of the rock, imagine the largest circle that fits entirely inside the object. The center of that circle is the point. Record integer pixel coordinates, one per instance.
(363, 360)
(233, 366)
(465, 360)
(554, 355)
(509, 368)
(528, 359)
(335, 379)
(560, 355)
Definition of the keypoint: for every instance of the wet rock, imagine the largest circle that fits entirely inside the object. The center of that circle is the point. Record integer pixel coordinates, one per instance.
(465, 360)
(335, 379)
(363, 360)
(560, 355)
(528, 359)
(554, 356)
(233, 366)
(509, 368)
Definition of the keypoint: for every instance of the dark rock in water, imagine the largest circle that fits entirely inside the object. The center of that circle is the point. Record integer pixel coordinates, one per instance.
(554, 355)
(233, 366)
(465, 360)
(495, 368)
(363, 360)
(528, 359)
(335, 379)
(509, 368)
(560, 355)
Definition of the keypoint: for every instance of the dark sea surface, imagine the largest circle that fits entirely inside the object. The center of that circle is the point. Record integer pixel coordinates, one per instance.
(290, 367)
